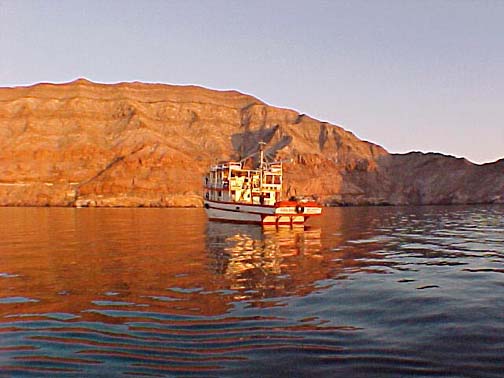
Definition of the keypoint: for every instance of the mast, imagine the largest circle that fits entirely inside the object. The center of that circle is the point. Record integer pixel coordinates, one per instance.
(261, 157)
(261, 165)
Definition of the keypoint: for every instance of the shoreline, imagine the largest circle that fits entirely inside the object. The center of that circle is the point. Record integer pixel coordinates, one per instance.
(12, 206)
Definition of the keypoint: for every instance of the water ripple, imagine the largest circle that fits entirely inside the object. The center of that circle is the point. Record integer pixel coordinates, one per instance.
(378, 292)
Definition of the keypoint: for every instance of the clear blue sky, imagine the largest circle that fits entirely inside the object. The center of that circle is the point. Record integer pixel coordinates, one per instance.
(408, 75)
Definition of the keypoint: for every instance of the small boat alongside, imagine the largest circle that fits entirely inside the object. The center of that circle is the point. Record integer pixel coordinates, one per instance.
(234, 193)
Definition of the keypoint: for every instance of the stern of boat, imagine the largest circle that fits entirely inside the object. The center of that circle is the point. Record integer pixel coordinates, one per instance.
(293, 212)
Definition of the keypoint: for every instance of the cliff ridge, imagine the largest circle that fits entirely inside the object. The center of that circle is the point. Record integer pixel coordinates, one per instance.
(136, 144)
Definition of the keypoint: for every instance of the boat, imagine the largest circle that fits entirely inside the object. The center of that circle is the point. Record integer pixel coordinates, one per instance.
(234, 193)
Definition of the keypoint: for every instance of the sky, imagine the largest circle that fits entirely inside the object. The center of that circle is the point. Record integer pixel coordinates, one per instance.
(407, 75)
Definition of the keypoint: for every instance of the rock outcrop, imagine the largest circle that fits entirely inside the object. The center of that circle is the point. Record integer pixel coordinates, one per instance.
(135, 144)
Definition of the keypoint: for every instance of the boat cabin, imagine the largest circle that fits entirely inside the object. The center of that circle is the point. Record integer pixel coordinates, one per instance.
(230, 182)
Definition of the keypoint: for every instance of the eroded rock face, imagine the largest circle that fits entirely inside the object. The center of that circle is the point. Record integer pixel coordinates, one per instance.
(137, 144)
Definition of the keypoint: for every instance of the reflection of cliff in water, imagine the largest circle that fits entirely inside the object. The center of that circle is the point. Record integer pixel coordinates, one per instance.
(174, 261)
(263, 263)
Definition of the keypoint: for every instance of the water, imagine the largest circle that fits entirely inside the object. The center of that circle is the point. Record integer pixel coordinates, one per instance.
(362, 292)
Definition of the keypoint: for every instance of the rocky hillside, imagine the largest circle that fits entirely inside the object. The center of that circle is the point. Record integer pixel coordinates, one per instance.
(135, 144)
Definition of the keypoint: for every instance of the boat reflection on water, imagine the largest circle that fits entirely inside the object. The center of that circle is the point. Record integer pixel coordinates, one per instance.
(258, 262)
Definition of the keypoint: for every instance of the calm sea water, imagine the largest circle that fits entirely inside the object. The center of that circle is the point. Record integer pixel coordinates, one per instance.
(362, 292)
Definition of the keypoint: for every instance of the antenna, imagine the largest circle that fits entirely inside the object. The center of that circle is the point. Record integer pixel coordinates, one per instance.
(261, 150)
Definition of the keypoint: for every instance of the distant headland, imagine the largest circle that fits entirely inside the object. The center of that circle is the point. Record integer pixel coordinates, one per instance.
(136, 144)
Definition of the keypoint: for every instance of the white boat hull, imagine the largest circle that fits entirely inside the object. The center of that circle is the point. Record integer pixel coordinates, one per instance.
(258, 214)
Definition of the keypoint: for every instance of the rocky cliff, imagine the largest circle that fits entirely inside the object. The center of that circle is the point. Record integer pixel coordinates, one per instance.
(135, 144)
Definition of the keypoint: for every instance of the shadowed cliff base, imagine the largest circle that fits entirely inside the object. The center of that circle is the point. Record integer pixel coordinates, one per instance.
(135, 144)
